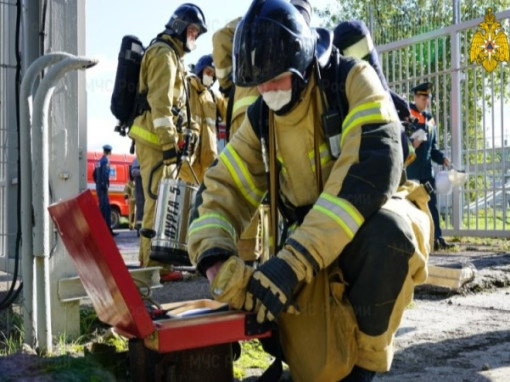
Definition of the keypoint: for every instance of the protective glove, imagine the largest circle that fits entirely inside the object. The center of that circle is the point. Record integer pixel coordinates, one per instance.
(170, 155)
(229, 284)
(270, 289)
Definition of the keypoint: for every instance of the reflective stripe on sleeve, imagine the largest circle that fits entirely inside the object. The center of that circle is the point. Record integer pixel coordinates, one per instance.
(341, 212)
(144, 134)
(223, 72)
(210, 121)
(212, 221)
(162, 122)
(245, 101)
(360, 49)
(241, 176)
(370, 112)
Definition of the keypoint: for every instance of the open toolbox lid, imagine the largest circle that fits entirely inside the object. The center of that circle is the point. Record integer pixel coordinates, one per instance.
(100, 266)
(117, 300)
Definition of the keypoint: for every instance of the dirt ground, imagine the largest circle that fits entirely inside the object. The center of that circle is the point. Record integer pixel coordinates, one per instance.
(445, 335)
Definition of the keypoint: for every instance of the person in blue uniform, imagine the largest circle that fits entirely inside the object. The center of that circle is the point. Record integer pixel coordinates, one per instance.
(102, 179)
(425, 145)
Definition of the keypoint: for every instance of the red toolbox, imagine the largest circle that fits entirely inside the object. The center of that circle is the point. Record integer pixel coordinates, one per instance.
(118, 302)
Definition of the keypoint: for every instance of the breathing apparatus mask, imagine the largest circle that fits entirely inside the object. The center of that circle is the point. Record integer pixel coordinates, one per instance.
(276, 99)
(190, 44)
(207, 80)
(282, 101)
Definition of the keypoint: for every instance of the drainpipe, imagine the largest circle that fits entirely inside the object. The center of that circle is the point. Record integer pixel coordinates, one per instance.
(40, 192)
(27, 260)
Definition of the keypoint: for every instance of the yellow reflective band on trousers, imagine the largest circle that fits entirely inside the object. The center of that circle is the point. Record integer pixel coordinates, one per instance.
(341, 211)
(283, 168)
(208, 221)
(146, 135)
(242, 102)
(370, 112)
(324, 153)
(241, 176)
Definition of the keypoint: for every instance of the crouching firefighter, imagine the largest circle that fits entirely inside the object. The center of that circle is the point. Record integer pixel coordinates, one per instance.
(356, 239)
(158, 130)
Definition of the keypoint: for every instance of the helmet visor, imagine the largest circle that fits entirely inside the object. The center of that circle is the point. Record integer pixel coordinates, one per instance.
(263, 50)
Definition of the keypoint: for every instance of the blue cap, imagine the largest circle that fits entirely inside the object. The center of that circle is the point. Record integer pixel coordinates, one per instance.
(107, 148)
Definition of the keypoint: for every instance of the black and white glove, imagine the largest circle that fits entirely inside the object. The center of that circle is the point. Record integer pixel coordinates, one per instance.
(170, 155)
(270, 290)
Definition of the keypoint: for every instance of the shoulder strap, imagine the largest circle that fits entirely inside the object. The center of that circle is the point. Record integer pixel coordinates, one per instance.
(331, 81)
(230, 109)
(217, 109)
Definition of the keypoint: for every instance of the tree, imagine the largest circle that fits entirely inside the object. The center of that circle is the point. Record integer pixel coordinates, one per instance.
(395, 20)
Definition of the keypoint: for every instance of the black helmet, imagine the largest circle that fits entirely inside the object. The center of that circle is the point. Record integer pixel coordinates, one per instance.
(272, 38)
(305, 8)
(202, 63)
(183, 16)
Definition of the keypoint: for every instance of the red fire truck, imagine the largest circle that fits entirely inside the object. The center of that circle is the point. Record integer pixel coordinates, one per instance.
(119, 176)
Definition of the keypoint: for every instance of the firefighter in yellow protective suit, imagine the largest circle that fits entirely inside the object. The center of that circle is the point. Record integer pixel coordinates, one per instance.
(238, 99)
(357, 242)
(130, 197)
(155, 130)
(207, 106)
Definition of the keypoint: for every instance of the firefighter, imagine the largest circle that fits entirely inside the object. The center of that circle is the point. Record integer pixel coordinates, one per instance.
(425, 143)
(237, 99)
(130, 198)
(355, 248)
(156, 130)
(207, 107)
(353, 39)
(139, 194)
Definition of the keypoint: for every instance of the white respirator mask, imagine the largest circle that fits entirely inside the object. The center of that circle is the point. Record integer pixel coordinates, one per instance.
(191, 44)
(207, 80)
(276, 99)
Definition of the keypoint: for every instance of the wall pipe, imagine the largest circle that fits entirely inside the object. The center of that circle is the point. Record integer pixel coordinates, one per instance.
(40, 191)
(27, 261)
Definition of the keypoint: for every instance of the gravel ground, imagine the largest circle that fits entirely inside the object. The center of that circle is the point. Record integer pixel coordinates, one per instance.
(445, 335)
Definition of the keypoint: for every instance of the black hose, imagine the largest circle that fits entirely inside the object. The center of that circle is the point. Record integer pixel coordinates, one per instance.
(149, 186)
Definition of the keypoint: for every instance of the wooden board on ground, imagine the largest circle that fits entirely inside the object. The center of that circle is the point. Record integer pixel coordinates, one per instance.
(452, 278)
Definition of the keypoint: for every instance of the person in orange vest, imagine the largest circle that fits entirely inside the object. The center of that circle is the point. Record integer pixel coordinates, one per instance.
(425, 145)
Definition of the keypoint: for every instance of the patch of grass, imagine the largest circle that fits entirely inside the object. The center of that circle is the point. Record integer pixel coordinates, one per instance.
(253, 356)
(11, 337)
(68, 368)
(495, 244)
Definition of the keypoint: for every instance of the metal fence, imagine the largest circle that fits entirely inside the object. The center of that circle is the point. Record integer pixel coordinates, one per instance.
(8, 141)
(472, 109)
